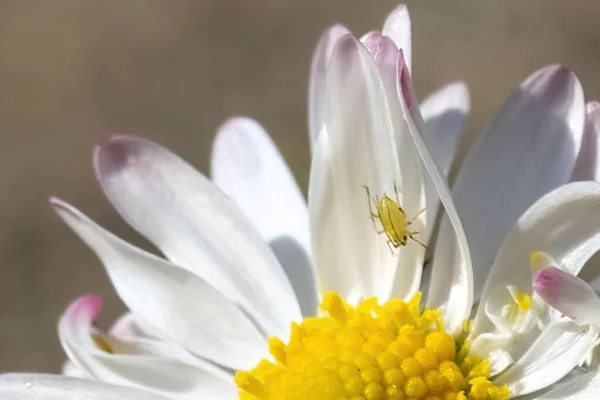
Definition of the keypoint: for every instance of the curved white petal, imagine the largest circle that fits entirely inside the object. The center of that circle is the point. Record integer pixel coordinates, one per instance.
(318, 75)
(56, 387)
(565, 224)
(357, 149)
(174, 302)
(247, 166)
(572, 296)
(146, 364)
(410, 183)
(69, 368)
(584, 387)
(451, 285)
(197, 227)
(587, 167)
(529, 149)
(562, 346)
(129, 326)
(444, 113)
(397, 27)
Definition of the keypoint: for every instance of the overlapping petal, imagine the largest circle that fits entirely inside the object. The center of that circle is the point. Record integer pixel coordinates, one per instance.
(561, 347)
(397, 27)
(565, 224)
(410, 182)
(529, 149)
(197, 227)
(177, 304)
(584, 387)
(358, 149)
(587, 167)
(148, 364)
(247, 166)
(451, 277)
(317, 97)
(444, 113)
(568, 294)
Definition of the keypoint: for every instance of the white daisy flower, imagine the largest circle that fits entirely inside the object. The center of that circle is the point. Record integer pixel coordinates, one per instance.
(247, 262)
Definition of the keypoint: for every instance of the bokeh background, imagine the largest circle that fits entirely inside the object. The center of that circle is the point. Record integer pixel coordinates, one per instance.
(74, 71)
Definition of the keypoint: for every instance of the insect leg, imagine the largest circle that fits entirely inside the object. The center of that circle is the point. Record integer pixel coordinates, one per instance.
(373, 215)
(390, 246)
(416, 216)
(410, 234)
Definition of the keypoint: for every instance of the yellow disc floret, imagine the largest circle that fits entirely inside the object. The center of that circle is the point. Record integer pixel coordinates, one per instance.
(370, 352)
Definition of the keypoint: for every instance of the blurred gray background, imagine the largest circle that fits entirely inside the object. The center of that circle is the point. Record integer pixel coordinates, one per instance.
(73, 72)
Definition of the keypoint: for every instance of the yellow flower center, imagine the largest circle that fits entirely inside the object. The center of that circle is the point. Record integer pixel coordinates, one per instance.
(370, 352)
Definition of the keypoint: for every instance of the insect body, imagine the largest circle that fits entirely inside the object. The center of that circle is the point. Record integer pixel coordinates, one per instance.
(393, 219)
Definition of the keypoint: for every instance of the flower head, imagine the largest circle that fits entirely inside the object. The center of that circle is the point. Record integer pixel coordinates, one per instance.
(247, 263)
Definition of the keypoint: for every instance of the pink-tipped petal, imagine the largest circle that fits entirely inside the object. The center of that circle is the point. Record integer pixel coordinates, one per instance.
(528, 150)
(568, 294)
(398, 28)
(197, 227)
(318, 73)
(358, 149)
(587, 167)
(563, 226)
(386, 56)
(451, 286)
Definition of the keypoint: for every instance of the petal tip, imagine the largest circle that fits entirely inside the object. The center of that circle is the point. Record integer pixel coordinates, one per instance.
(593, 108)
(114, 155)
(237, 125)
(90, 304)
(398, 11)
(547, 280)
(556, 75)
(64, 209)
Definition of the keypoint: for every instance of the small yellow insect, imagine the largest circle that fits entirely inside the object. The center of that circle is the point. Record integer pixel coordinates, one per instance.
(393, 219)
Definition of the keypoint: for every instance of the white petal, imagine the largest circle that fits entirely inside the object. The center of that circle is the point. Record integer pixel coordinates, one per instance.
(129, 326)
(444, 113)
(587, 167)
(451, 285)
(174, 302)
(357, 149)
(584, 387)
(145, 364)
(561, 347)
(565, 224)
(397, 27)
(56, 387)
(197, 227)
(570, 295)
(318, 75)
(529, 149)
(71, 369)
(247, 166)
(410, 183)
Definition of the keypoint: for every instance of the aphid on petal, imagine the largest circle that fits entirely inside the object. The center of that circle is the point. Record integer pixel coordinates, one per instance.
(393, 219)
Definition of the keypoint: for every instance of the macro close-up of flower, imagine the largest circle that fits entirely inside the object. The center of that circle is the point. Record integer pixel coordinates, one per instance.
(387, 283)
